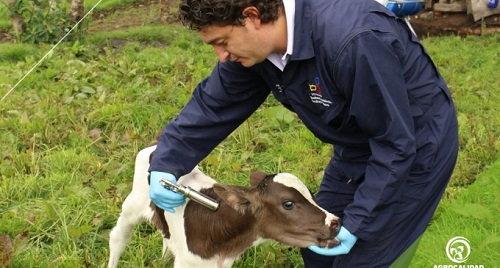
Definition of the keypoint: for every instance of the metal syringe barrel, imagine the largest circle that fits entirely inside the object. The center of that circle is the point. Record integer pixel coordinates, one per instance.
(191, 194)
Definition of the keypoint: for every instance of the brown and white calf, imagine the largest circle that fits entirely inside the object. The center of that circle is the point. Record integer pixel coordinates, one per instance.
(277, 207)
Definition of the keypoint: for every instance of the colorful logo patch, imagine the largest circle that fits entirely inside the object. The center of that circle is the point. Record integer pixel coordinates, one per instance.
(315, 93)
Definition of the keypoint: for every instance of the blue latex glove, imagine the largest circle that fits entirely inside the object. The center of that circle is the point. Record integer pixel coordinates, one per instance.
(347, 241)
(161, 196)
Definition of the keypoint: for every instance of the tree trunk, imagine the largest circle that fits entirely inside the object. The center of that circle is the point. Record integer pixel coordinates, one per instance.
(77, 10)
(16, 19)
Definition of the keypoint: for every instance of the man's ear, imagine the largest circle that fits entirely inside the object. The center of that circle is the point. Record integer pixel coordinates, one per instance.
(235, 196)
(253, 15)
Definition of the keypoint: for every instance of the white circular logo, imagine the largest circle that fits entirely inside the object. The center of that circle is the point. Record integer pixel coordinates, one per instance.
(458, 249)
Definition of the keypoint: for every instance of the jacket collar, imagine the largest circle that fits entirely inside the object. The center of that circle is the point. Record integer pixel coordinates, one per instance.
(302, 43)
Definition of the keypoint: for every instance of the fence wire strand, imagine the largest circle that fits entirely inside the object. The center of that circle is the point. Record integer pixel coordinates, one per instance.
(50, 51)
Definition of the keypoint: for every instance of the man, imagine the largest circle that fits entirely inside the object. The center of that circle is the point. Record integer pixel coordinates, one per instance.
(358, 79)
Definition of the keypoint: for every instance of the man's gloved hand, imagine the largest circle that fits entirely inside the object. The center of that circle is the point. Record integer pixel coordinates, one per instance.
(161, 196)
(347, 241)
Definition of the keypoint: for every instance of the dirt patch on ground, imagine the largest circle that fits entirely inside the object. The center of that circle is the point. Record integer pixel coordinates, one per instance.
(147, 12)
(429, 23)
(6, 37)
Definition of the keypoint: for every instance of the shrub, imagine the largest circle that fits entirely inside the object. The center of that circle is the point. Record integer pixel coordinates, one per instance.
(46, 21)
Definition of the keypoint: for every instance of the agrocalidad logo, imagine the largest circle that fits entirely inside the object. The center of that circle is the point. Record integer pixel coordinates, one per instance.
(458, 249)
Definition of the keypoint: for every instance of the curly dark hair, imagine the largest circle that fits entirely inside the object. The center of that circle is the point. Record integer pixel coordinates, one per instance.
(197, 14)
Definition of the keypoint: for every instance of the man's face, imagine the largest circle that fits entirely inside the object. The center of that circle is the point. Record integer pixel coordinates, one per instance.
(243, 44)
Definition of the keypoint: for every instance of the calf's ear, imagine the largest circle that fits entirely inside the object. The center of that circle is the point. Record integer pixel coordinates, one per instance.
(256, 177)
(235, 196)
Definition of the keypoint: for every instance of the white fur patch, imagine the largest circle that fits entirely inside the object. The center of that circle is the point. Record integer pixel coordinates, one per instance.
(291, 180)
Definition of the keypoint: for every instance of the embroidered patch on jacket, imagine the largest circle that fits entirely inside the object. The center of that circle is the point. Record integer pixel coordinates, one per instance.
(315, 93)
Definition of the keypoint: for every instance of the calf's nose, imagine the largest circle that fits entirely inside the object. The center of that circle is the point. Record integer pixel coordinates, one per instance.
(335, 224)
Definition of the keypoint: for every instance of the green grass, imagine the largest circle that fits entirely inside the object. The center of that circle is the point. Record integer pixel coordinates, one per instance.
(4, 17)
(16, 52)
(475, 216)
(70, 131)
(470, 66)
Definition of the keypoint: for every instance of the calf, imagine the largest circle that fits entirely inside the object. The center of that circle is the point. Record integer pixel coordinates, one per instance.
(277, 207)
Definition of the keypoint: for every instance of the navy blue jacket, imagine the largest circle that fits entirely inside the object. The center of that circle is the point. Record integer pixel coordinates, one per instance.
(358, 78)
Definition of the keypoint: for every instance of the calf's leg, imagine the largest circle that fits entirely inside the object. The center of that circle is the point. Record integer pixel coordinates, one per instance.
(134, 211)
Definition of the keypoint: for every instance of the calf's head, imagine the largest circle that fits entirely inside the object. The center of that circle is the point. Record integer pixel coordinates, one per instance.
(284, 210)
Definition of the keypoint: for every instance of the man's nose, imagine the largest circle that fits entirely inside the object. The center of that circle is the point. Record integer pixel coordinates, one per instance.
(221, 53)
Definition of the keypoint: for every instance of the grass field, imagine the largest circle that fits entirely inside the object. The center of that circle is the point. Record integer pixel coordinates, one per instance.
(70, 131)
(475, 216)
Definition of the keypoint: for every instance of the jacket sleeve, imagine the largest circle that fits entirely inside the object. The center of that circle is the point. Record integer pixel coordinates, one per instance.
(370, 74)
(219, 104)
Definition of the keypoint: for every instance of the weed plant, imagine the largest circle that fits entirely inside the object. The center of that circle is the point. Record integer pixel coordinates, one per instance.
(4, 17)
(70, 132)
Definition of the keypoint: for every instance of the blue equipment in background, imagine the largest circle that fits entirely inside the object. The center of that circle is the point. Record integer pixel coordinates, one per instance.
(492, 4)
(403, 8)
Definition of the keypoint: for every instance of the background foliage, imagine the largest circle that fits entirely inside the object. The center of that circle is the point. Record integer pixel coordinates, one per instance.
(46, 22)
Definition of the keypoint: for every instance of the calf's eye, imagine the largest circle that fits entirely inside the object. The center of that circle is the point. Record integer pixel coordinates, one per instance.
(287, 205)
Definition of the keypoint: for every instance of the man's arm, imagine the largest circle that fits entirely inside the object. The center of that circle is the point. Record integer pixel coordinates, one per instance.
(373, 79)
